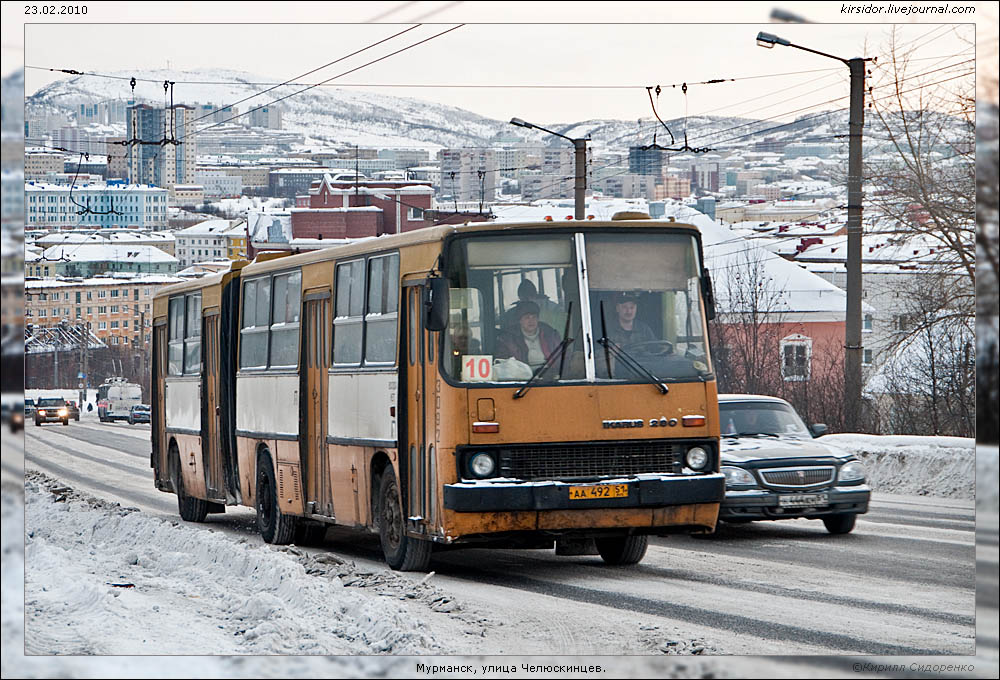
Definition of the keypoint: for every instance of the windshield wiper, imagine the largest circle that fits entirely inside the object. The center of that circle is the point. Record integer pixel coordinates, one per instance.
(757, 434)
(559, 351)
(626, 358)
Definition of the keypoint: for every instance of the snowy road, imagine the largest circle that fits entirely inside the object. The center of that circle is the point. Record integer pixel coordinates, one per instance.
(904, 583)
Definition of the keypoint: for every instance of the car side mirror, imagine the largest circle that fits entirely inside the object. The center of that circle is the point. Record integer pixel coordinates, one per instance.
(817, 429)
(436, 309)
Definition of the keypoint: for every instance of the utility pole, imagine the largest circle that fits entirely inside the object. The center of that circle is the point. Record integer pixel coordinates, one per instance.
(580, 147)
(852, 327)
(852, 345)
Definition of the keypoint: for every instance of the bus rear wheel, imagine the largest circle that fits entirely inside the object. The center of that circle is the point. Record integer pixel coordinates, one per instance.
(622, 550)
(189, 508)
(276, 527)
(402, 552)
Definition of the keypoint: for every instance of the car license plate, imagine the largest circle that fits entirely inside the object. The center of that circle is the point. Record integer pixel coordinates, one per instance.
(598, 491)
(803, 500)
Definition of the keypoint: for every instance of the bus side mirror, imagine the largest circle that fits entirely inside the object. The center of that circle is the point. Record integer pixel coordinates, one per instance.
(708, 294)
(436, 304)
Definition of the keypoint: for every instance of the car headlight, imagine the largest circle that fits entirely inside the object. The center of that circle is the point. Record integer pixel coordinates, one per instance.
(738, 477)
(42, 412)
(63, 412)
(852, 471)
(482, 465)
(697, 458)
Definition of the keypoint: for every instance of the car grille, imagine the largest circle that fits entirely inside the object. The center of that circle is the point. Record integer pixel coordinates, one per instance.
(798, 477)
(587, 460)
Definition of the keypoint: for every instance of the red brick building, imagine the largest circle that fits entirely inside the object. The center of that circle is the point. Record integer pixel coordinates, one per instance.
(346, 209)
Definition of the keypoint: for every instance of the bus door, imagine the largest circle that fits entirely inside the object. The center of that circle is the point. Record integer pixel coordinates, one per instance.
(316, 360)
(415, 464)
(211, 424)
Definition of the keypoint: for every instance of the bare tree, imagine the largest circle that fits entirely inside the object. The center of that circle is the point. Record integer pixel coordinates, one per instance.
(747, 332)
(924, 178)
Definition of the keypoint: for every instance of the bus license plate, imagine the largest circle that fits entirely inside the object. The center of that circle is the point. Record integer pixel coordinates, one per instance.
(598, 491)
(803, 500)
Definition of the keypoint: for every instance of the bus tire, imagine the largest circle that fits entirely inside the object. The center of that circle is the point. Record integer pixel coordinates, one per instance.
(189, 508)
(276, 527)
(840, 524)
(622, 550)
(402, 552)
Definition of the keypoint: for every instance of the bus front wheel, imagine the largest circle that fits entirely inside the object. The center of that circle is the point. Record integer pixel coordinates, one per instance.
(276, 527)
(622, 550)
(402, 552)
(189, 508)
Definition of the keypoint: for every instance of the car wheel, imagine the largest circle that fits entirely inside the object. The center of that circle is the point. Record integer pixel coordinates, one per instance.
(276, 527)
(130, 421)
(622, 550)
(402, 552)
(190, 509)
(840, 524)
(66, 421)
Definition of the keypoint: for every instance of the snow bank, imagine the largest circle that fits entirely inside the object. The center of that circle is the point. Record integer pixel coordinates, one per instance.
(919, 466)
(109, 580)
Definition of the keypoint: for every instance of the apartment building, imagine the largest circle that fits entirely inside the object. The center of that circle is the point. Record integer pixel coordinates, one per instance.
(118, 308)
(162, 164)
(103, 206)
(469, 174)
(38, 163)
(208, 241)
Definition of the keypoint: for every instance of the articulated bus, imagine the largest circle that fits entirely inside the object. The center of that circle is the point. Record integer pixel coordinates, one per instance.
(520, 385)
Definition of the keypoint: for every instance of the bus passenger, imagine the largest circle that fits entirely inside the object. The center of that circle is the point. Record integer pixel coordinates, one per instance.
(530, 341)
(462, 343)
(625, 329)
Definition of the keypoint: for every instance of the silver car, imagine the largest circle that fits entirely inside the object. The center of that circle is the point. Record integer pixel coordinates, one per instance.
(776, 469)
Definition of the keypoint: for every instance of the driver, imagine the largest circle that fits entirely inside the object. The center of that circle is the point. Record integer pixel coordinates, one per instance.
(625, 329)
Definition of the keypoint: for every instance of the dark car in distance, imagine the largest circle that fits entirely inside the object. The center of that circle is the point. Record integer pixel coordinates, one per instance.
(138, 414)
(74, 410)
(51, 410)
(776, 469)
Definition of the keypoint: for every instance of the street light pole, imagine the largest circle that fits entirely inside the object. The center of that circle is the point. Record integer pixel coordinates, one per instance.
(852, 331)
(580, 148)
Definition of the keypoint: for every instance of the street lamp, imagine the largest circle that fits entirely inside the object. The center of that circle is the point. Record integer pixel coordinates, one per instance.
(580, 145)
(852, 334)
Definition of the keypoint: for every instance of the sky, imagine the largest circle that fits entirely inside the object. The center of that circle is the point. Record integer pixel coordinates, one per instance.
(601, 69)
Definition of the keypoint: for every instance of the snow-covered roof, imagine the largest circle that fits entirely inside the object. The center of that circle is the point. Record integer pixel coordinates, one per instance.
(208, 227)
(116, 280)
(106, 252)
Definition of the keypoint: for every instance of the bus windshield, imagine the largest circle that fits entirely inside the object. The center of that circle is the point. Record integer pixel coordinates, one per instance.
(541, 305)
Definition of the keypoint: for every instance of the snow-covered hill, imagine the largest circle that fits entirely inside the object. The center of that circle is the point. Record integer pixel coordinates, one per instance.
(332, 115)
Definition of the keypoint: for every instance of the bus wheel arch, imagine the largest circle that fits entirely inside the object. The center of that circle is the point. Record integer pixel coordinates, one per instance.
(190, 509)
(402, 552)
(380, 462)
(275, 526)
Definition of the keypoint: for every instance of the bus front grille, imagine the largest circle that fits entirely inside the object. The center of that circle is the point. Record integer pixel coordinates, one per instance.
(568, 461)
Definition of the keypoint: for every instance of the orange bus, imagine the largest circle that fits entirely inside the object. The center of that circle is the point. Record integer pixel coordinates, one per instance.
(486, 384)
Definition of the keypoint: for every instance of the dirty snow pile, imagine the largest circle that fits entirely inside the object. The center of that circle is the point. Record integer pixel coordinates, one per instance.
(120, 582)
(912, 465)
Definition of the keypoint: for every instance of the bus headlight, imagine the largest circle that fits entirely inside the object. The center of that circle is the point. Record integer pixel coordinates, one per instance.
(737, 476)
(697, 458)
(852, 471)
(482, 465)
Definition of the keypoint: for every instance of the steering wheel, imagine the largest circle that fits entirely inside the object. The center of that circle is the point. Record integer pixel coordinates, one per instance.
(652, 347)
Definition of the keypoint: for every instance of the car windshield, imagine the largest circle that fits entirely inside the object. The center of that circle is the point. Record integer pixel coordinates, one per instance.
(51, 402)
(515, 298)
(757, 418)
